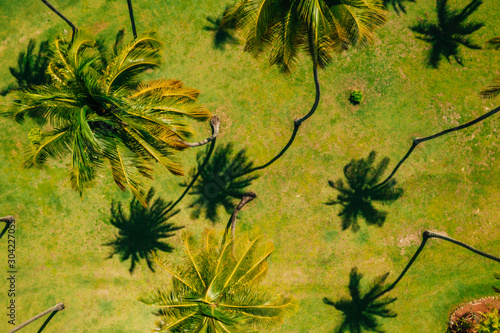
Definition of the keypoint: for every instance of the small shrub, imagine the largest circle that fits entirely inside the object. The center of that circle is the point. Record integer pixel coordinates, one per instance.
(356, 97)
(463, 325)
(35, 136)
(490, 323)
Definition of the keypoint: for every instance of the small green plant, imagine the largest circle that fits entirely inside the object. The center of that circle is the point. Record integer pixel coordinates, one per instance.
(490, 323)
(35, 136)
(462, 325)
(356, 97)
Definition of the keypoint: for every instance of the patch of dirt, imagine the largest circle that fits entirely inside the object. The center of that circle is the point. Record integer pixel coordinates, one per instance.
(226, 122)
(97, 28)
(412, 239)
(471, 313)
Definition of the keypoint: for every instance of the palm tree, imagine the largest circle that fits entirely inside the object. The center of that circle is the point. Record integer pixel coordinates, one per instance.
(357, 196)
(216, 290)
(9, 220)
(31, 67)
(98, 113)
(449, 32)
(319, 27)
(221, 181)
(361, 310)
(214, 123)
(142, 231)
(53, 310)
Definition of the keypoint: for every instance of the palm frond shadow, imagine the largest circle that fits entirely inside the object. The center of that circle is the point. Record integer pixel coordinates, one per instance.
(222, 35)
(397, 5)
(361, 309)
(142, 230)
(449, 32)
(357, 195)
(497, 290)
(31, 67)
(220, 182)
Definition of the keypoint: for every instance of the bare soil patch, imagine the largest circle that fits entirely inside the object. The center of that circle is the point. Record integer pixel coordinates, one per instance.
(471, 313)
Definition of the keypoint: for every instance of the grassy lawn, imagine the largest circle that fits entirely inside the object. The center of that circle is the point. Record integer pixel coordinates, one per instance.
(452, 184)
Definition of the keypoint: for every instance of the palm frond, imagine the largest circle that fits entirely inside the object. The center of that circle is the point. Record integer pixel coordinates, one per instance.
(138, 56)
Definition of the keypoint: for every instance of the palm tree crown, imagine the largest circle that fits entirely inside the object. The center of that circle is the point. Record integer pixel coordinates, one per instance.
(319, 27)
(357, 195)
(361, 310)
(215, 289)
(99, 110)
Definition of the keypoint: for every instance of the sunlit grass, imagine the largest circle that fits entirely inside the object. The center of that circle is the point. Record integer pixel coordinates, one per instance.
(451, 184)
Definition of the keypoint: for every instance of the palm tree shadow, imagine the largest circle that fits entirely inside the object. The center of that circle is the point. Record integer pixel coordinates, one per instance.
(449, 32)
(4, 230)
(221, 182)
(31, 67)
(142, 230)
(222, 35)
(357, 195)
(397, 5)
(360, 310)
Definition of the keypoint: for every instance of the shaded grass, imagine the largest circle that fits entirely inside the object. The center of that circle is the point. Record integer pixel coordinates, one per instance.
(451, 184)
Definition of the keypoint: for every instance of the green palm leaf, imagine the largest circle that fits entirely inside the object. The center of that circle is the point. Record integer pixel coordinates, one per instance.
(216, 290)
(98, 110)
(319, 26)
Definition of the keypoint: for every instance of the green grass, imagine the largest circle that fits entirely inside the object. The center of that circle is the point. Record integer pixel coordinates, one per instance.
(451, 184)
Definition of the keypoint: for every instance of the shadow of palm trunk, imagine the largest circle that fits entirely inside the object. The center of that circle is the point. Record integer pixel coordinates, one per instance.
(132, 20)
(9, 219)
(215, 124)
(53, 310)
(46, 322)
(58, 13)
(434, 136)
(296, 124)
(425, 236)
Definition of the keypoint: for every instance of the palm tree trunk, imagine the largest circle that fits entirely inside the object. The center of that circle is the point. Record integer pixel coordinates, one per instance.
(215, 124)
(247, 197)
(73, 27)
(57, 307)
(437, 135)
(297, 122)
(426, 235)
(9, 219)
(131, 13)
